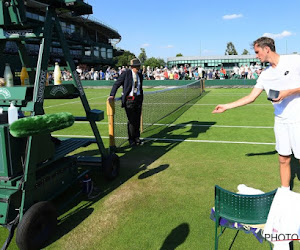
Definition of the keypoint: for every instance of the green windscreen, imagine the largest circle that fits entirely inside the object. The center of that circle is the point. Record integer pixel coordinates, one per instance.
(2, 152)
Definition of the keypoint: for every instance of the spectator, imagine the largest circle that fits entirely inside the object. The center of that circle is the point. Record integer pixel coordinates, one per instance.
(200, 72)
(246, 71)
(242, 71)
(96, 75)
(107, 74)
(171, 75)
(166, 75)
(176, 75)
(196, 75)
(222, 73)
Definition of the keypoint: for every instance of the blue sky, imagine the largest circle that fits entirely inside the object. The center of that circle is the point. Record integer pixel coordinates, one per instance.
(198, 27)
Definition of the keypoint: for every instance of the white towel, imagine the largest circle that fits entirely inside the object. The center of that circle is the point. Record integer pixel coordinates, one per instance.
(284, 218)
(243, 189)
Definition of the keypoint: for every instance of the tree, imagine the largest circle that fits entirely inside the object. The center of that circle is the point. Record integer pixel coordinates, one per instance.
(245, 52)
(143, 56)
(154, 62)
(161, 62)
(230, 50)
(124, 59)
(179, 54)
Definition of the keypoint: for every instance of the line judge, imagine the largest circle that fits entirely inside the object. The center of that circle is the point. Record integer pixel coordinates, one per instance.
(132, 99)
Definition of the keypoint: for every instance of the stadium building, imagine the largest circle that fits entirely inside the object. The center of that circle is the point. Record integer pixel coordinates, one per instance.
(91, 42)
(213, 62)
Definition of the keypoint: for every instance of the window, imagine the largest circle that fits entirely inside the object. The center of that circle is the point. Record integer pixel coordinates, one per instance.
(87, 51)
(96, 52)
(35, 16)
(11, 47)
(28, 14)
(103, 53)
(109, 53)
(72, 28)
(76, 53)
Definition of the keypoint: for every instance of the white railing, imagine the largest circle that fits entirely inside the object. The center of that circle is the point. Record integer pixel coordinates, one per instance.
(94, 19)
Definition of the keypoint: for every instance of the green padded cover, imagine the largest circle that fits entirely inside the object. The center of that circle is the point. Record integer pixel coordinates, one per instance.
(41, 124)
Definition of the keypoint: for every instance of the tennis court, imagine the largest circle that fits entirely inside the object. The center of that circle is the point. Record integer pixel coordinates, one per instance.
(165, 191)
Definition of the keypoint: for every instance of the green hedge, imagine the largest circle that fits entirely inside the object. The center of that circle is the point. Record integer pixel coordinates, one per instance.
(230, 82)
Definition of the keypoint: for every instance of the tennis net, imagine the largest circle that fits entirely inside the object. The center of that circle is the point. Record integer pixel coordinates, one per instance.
(156, 106)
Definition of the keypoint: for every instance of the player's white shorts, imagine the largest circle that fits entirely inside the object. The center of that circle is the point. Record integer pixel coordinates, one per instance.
(287, 138)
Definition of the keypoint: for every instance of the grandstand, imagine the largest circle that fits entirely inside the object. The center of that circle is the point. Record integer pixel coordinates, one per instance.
(91, 41)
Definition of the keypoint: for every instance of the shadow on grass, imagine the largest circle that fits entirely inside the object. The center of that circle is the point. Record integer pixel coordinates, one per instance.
(177, 237)
(263, 153)
(153, 171)
(159, 141)
(295, 166)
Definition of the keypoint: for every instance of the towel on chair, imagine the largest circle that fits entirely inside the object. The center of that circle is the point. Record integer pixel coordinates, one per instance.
(283, 223)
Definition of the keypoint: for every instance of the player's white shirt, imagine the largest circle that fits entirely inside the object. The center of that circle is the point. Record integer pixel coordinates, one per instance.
(286, 75)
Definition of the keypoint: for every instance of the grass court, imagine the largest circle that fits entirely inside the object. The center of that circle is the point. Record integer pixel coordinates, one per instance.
(163, 196)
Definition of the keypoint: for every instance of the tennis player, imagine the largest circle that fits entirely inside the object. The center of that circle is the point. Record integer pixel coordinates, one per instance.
(283, 77)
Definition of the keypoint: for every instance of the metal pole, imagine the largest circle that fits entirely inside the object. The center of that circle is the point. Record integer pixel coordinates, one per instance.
(110, 107)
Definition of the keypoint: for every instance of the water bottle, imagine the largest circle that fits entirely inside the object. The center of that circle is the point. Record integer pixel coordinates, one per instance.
(12, 113)
(24, 76)
(57, 74)
(8, 76)
(87, 184)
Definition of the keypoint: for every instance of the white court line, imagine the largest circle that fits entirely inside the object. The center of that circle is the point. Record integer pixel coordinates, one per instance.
(188, 125)
(53, 106)
(200, 104)
(227, 94)
(211, 141)
(175, 140)
(215, 104)
(195, 104)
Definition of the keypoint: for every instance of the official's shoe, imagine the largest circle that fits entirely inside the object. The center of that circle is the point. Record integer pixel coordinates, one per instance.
(132, 143)
(139, 142)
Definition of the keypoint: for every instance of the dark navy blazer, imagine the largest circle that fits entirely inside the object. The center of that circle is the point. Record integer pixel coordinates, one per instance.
(126, 80)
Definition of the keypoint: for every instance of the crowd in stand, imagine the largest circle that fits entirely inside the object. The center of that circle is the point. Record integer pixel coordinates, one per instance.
(175, 73)
(186, 72)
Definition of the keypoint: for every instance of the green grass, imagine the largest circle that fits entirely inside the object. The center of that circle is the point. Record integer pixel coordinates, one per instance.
(165, 191)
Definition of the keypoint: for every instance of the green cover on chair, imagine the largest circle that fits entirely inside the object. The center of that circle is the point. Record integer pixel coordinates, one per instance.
(41, 124)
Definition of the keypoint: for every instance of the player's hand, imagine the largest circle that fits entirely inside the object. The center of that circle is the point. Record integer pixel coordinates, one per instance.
(220, 109)
(282, 94)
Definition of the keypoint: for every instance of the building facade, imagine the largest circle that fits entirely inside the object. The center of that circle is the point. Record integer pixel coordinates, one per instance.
(213, 62)
(90, 41)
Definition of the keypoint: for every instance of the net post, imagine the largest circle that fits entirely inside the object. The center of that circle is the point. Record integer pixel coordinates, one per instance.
(141, 123)
(110, 107)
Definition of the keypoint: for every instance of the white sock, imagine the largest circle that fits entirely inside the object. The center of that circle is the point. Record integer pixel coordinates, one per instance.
(285, 188)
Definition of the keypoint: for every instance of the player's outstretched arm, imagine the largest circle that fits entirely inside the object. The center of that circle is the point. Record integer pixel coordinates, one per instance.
(241, 102)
